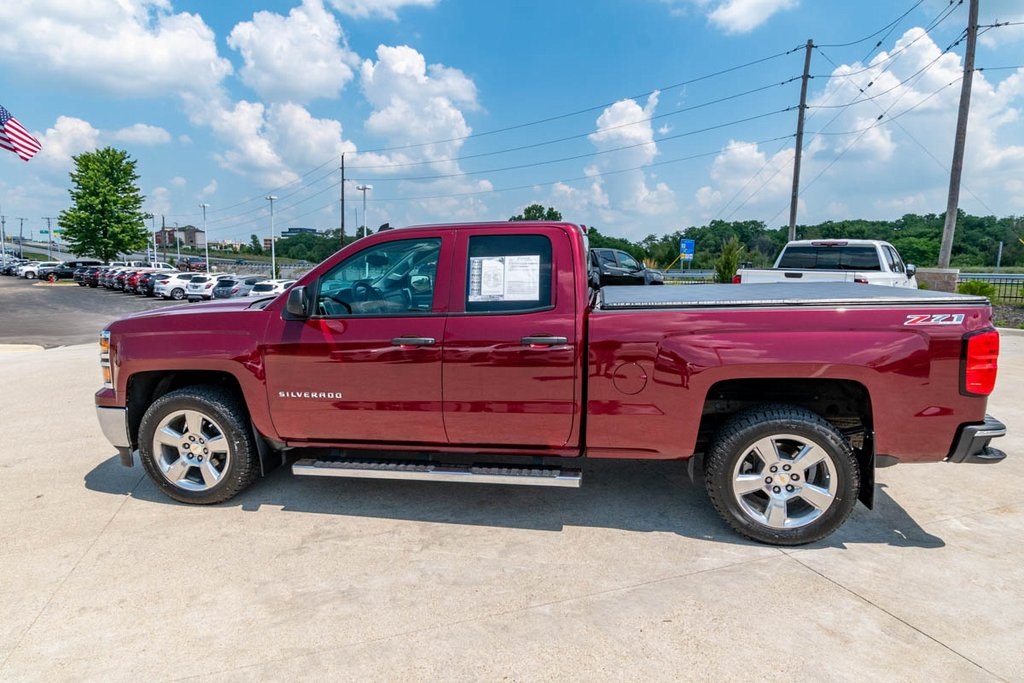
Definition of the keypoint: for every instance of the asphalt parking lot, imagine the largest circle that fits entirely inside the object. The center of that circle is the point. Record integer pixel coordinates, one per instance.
(632, 577)
(63, 313)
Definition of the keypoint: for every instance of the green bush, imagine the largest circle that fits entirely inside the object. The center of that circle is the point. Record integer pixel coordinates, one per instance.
(977, 288)
(729, 261)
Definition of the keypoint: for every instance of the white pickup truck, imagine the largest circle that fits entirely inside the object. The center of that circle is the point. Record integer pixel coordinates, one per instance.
(864, 261)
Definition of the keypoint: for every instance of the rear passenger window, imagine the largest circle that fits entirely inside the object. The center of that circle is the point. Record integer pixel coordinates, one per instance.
(508, 274)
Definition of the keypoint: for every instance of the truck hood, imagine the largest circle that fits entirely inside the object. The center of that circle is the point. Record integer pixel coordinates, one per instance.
(204, 308)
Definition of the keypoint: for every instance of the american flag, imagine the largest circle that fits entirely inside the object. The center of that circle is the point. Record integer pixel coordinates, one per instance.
(15, 138)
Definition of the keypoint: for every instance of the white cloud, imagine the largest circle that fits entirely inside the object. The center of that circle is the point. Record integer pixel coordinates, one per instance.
(142, 134)
(68, 137)
(158, 201)
(626, 124)
(132, 48)
(209, 190)
(178, 181)
(415, 104)
(745, 176)
(743, 16)
(296, 58)
(385, 9)
(733, 16)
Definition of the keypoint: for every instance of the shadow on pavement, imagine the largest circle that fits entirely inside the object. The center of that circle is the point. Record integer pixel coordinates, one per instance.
(628, 495)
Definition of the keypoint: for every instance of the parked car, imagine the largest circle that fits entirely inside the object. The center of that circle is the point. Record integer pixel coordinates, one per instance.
(90, 278)
(192, 264)
(783, 398)
(867, 262)
(65, 270)
(30, 271)
(270, 287)
(11, 267)
(616, 267)
(148, 282)
(240, 285)
(200, 287)
(173, 287)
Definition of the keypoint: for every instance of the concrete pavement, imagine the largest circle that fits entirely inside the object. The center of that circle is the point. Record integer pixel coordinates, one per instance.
(633, 577)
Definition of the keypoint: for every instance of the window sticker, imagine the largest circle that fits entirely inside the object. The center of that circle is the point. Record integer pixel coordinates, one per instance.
(504, 278)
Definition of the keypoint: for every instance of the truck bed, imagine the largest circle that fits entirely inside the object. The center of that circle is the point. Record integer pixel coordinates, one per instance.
(826, 294)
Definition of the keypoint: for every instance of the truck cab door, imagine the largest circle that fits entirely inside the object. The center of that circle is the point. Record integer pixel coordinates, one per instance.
(365, 366)
(512, 352)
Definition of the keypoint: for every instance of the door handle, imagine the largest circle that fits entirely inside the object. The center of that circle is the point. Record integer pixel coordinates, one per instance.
(412, 341)
(544, 341)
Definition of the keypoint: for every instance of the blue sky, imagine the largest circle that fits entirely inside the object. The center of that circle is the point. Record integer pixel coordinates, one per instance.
(639, 117)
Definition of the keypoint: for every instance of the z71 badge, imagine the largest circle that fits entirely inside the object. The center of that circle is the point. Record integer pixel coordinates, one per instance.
(936, 319)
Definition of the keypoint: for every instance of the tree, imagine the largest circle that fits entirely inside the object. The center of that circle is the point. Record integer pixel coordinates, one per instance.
(536, 212)
(255, 245)
(106, 217)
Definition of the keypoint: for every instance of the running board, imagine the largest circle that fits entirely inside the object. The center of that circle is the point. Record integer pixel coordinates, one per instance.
(429, 471)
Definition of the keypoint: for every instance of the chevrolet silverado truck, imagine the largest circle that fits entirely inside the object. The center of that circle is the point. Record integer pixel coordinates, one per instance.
(480, 353)
(868, 262)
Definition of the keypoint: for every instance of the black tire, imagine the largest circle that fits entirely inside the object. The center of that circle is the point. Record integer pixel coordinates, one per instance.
(808, 495)
(177, 293)
(197, 446)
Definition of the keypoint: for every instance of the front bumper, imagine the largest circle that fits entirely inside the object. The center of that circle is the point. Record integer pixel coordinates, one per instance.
(114, 425)
(972, 444)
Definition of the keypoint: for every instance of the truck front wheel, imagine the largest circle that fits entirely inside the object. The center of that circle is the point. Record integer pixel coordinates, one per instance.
(196, 445)
(782, 475)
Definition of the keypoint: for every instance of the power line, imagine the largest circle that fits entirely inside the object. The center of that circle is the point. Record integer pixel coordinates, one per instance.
(469, 193)
(577, 136)
(889, 26)
(259, 197)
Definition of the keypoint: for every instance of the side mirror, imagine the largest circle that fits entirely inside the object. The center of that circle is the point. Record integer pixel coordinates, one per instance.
(298, 303)
(595, 279)
(911, 270)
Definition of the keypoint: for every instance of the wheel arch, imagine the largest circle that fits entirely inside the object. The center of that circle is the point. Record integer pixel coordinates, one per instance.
(844, 403)
(144, 388)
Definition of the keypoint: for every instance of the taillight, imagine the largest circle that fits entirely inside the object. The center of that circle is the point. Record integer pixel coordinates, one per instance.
(980, 363)
(736, 279)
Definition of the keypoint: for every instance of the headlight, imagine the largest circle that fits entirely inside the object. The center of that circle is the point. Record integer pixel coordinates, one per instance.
(108, 374)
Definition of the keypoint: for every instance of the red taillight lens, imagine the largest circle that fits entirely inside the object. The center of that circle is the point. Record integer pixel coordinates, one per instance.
(981, 355)
(737, 279)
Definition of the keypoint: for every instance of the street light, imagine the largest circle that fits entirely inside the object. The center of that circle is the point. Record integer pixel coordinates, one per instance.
(363, 189)
(273, 252)
(206, 238)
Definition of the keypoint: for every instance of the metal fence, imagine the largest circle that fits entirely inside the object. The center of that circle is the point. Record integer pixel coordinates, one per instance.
(1009, 288)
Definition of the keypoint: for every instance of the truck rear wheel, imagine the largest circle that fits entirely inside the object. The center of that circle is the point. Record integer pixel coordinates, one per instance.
(196, 445)
(782, 475)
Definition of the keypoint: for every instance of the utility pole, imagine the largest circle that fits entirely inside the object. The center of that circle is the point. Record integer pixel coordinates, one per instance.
(799, 140)
(21, 237)
(342, 199)
(946, 250)
(49, 238)
(206, 240)
(273, 249)
(3, 238)
(163, 235)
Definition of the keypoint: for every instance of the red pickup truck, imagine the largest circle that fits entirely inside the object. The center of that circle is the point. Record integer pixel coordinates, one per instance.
(481, 353)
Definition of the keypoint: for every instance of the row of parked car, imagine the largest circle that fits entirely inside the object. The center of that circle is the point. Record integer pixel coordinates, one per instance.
(151, 279)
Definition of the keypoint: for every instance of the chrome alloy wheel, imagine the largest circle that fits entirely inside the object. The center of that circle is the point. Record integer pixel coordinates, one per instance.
(191, 450)
(785, 481)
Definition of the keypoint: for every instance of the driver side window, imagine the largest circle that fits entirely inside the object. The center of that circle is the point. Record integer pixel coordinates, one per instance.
(393, 278)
